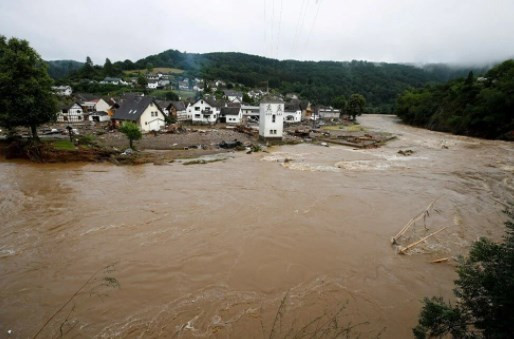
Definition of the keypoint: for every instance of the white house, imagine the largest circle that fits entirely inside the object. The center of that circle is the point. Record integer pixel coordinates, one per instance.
(113, 81)
(250, 113)
(102, 105)
(183, 84)
(292, 113)
(231, 115)
(163, 83)
(204, 111)
(62, 90)
(178, 109)
(141, 110)
(327, 113)
(152, 85)
(233, 96)
(99, 117)
(271, 120)
(74, 113)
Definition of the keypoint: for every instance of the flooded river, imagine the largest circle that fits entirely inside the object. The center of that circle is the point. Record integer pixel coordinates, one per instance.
(291, 243)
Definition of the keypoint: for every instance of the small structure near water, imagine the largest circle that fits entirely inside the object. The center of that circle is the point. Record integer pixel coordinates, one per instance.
(271, 119)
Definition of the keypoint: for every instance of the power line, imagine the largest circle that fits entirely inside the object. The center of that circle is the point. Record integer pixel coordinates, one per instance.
(272, 27)
(300, 16)
(279, 25)
(265, 31)
(318, 5)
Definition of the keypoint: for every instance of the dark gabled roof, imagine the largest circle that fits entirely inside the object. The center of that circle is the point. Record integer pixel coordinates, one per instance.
(233, 104)
(179, 105)
(86, 97)
(291, 107)
(163, 104)
(213, 102)
(132, 107)
(230, 110)
(108, 100)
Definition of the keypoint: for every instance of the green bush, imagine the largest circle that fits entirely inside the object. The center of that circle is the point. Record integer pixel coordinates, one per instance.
(485, 292)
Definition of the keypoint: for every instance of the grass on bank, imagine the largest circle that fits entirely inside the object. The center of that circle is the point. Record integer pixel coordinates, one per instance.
(63, 145)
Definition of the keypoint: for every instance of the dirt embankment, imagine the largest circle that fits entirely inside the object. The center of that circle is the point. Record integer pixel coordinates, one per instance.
(97, 144)
(47, 152)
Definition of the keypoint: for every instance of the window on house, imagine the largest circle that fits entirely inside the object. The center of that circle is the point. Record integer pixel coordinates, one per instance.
(197, 108)
(273, 118)
(197, 115)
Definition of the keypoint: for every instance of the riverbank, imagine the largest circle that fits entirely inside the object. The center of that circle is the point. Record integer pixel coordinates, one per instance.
(180, 143)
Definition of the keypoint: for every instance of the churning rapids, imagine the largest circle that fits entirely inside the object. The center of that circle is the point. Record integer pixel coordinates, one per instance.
(255, 246)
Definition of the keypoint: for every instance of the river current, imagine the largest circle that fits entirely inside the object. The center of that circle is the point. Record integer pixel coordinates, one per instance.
(291, 243)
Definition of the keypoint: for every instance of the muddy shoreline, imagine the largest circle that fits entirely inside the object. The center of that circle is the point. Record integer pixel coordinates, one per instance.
(182, 143)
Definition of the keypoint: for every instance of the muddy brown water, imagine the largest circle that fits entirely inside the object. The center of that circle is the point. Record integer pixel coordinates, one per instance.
(250, 247)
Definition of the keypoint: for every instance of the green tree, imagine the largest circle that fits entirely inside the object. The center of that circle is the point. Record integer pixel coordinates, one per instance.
(108, 68)
(340, 102)
(356, 105)
(247, 98)
(149, 67)
(131, 130)
(26, 88)
(141, 81)
(485, 289)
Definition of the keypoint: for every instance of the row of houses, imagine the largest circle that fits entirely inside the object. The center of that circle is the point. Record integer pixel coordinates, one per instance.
(151, 114)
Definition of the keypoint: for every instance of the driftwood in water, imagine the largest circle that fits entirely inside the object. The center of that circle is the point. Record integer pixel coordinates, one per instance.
(423, 215)
(440, 260)
(408, 247)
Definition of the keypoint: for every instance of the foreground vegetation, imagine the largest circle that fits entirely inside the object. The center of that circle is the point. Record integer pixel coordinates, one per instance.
(481, 107)
(485, 292)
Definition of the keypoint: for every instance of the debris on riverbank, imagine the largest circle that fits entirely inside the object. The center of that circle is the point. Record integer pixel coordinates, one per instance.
(347, 135)
(181, 142)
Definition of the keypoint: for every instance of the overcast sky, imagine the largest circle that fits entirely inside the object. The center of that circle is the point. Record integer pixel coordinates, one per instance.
(414, 31)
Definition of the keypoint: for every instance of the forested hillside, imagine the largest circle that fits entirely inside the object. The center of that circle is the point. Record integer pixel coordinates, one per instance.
(320, 82)
(61, 68)
(482, 107)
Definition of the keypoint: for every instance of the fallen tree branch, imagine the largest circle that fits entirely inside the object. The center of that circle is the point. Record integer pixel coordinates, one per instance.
(408, 247)
(440, 260)
(424, 214)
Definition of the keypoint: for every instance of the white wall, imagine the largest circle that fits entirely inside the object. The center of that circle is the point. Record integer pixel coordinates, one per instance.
(152, 119)
(234, 119)
(74, 114)
(267, 127)
(296, 116)
(102, 106)
(197, 116)
(102, 118)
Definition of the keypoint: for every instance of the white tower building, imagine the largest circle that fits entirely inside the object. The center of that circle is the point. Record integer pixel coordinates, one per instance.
(271, 119)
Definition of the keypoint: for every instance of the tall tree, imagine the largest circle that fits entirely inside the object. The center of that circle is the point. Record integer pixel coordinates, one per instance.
(26, 88)
(108, 69)
(356, 105)
(340, 102)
